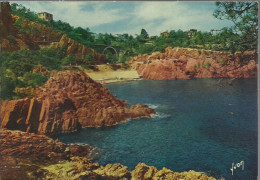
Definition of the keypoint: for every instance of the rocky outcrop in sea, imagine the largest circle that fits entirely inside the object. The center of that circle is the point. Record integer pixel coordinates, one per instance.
(68, 101)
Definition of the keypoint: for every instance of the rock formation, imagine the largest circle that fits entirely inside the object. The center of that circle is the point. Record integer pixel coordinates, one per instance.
(183, 63)
(6, 19)
(79, 50)
(32, 156)
(68, 101)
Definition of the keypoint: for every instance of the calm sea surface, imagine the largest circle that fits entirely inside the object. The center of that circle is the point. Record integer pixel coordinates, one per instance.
(204, 125)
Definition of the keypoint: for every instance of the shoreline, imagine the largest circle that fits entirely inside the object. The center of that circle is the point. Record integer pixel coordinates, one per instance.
(39, 156)
(107, 74)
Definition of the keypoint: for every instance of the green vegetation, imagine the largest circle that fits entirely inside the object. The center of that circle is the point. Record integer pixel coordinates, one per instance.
(11, 39)
(68, 60)
(90, 59)
(197, 65)
(244, 34)
(206, 65)
(222, 61)
(17, 68)
(112, 58)
(79, 34)
(34, 79)
(124, 59)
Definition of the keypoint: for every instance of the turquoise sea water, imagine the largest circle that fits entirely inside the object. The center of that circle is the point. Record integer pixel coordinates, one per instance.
(204, 125)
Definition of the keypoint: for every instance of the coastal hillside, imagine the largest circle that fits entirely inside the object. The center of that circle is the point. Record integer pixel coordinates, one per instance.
(20, 33)
(27, 45)
(184, 63)
(68, 101)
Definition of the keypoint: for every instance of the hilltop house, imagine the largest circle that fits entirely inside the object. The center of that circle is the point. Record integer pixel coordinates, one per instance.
(45, 16)
(215, 31)
(191, 32)
(165, 34)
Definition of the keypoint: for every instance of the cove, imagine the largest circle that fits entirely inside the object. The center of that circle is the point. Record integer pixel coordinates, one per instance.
(203, 125)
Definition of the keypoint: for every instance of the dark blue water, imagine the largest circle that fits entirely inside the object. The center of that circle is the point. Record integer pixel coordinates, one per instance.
(203, 125)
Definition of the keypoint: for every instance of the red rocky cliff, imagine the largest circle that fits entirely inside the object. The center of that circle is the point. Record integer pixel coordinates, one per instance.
(183, 63)
(68, 101)
(79, 50)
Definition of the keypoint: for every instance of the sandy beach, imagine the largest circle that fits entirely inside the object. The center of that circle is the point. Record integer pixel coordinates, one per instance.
(106, 74)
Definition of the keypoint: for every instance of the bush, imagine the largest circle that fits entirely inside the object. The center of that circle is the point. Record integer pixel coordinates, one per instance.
(222, 61)
(68, 60)
(11, 39)
(34, 79)
(206, 65)
(112, 59)
(7, 86)
(24, 92)
(16, 69)
(90, 59)
(124, 58)
(86, 66)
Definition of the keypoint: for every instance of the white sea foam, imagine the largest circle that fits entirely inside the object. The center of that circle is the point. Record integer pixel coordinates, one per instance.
(153, 106)
(79, 143)
(160, 115)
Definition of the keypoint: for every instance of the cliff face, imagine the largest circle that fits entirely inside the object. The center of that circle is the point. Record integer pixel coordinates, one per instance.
(182, 63)
(68, 101)
(79, 50)
(32, 156)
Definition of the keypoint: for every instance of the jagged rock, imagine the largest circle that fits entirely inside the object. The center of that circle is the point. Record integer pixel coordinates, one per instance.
(192, 175)
(114, 171)
(161, 70)
(23, 152)
(68, 101)
(22, 144)
(144, 172)
(184, 63)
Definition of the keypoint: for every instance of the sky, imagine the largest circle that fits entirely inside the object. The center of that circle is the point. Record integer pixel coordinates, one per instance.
(130, 17)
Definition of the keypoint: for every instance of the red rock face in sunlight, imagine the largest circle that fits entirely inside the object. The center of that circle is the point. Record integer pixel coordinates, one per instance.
(68, 101)
(183, 63)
